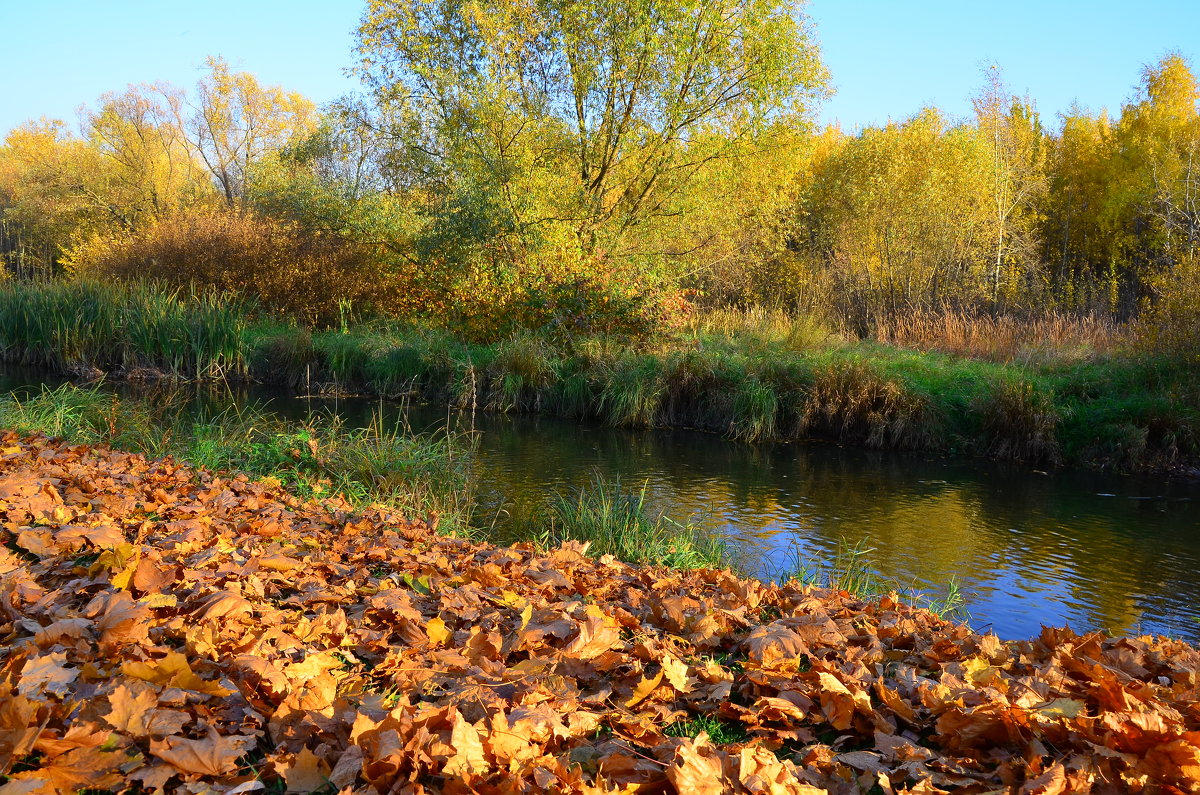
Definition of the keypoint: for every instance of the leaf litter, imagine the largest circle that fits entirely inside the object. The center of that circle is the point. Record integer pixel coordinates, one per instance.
(166, 629)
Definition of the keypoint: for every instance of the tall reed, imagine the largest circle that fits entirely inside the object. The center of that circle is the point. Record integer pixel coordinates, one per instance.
(1049, 337)
(69, 325)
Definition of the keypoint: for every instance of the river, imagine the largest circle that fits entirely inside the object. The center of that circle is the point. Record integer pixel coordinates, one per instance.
(1025, 548)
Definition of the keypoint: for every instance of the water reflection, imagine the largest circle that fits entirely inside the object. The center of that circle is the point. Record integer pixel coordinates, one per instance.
(1027, 549)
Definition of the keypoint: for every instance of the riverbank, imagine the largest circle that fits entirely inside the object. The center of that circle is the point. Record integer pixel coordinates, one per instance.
(379, 465)
(179, 628)
(786, 380)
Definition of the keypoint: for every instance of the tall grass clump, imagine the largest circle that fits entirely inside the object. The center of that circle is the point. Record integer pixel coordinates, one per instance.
(91, 416)
(521, 372)
(407, 359)
(70, 325)
(417, 474)
(755, 407)
(632, 390)
(851, 570)
(850, 400)
(761, 328)
(615, 521)
(697, 389)
(1020, 422)
(1047, 337)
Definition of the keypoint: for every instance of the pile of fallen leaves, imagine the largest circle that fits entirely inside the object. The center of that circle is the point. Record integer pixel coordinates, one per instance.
(166, 629)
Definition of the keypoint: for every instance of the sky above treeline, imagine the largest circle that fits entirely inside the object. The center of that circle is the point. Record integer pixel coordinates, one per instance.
(887, 58)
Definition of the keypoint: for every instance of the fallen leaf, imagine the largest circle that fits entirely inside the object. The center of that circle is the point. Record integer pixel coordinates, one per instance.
(215, 755)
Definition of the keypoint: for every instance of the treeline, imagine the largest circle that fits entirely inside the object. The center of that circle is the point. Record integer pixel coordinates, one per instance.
(606, 168)
(1003, 214)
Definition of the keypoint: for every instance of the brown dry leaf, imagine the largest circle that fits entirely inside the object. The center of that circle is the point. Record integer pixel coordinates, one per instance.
(215, 755)
(46, 674)
(36, 784)
(693, 772)
(307, 772)
(81, 768)
(766, 645)
(894, 701)
(837, 702)
(340, 667)
(281, 563)
(468, 758)
(313, 665)
(597, 634)
(1052, 782)
(19, 727)
(62, 630)
(223, 604)
(759, 771)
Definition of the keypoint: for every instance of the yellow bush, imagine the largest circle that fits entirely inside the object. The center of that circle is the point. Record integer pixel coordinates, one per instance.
(1171, 323)
(309, 276)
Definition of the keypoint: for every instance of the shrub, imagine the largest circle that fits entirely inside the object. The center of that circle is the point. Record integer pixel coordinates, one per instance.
(1020, 422)
(1171, 321)
(849, 400)
(311, 276)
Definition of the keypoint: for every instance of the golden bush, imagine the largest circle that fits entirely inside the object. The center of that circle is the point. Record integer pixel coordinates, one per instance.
(1171, 322)
(312, 276)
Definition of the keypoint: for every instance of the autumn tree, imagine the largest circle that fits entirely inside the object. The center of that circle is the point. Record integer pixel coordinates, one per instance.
(899, 218)
(139, 133)
(555, 130)
(1160, 136)
(54, 188)
(1010, 129)
(236, 121)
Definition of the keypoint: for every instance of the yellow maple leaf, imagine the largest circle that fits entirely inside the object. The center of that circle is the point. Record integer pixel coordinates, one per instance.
(173, 671)
(644, 688)
(437, 631)
(122, 559)
(676, 672)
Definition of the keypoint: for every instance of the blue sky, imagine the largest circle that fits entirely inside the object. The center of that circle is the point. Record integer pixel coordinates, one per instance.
(887, 59)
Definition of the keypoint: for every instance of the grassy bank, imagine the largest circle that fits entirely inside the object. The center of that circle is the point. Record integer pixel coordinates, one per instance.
(429, 475)
(425, 475)
(1044, 395)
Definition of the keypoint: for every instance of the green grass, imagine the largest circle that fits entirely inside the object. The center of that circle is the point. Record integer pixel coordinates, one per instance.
(721, 732)
(68, 325)
(852, 570)
(755, 376)
(615, 521)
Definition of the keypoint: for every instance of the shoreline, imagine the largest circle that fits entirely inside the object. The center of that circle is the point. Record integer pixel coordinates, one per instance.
(748, 377)
(957, 449)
